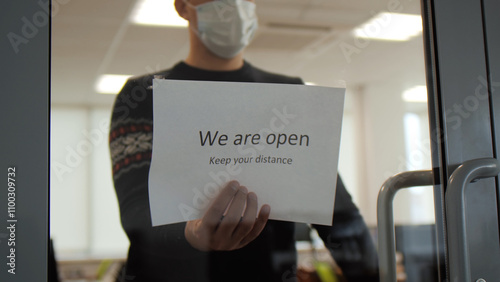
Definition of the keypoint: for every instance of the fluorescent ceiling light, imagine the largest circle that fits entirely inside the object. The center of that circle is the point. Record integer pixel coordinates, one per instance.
(110, 83)
(390, 26)
(156, 12)
(416, 94)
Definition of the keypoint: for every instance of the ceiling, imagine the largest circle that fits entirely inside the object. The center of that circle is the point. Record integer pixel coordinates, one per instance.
(296, 37)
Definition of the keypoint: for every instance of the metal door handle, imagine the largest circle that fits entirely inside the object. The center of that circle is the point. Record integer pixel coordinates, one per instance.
(386, 240)
(456, 214)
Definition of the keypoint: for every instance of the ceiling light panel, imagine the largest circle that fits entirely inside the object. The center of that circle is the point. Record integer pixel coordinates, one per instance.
(156, 13)
(390, 26)
(417, 94)
(110, 83)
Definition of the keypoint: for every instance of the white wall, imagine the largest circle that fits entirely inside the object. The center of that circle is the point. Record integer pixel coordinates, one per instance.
(84, 209)
(69, 222)
(351, 156)
(381, 150)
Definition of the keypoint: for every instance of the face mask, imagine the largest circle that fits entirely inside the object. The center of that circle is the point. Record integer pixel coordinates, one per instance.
(225, 27)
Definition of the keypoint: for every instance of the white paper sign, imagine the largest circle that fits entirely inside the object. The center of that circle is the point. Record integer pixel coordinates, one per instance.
(280, 141)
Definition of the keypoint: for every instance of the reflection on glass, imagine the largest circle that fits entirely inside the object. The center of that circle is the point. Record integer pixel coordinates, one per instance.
(382, 133)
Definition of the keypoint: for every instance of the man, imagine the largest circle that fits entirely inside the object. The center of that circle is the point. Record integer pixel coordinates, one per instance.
(233, 241)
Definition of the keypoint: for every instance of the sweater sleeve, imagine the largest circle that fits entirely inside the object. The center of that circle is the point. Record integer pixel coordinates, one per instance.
(349, 240)
(130, 142)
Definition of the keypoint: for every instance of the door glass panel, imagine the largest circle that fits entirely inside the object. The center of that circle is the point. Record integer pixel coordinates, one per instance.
(326, 43)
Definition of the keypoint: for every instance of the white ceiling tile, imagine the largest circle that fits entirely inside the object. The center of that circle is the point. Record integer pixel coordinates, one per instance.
(298, 37)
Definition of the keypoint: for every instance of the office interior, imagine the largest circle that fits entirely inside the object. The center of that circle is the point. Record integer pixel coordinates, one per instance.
(385, 125)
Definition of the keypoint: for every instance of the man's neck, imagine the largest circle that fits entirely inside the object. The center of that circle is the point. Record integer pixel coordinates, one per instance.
(200, 57)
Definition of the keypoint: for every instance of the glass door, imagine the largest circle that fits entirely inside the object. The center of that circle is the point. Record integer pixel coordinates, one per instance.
(462, 54)
(389, 125)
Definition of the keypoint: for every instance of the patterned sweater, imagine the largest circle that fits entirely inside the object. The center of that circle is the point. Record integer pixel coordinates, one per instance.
(163, 254)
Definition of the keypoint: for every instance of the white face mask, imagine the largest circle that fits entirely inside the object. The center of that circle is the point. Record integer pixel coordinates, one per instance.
(226, 27)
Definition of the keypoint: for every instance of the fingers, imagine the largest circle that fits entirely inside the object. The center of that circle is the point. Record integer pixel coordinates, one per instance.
(196, 236)
(259, 225)
(236, 231)
(247, 221)
(233, 216)
(230, 222)
(213, 215)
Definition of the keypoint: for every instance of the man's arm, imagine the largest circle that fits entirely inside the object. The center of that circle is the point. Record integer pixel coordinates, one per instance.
(349, 240)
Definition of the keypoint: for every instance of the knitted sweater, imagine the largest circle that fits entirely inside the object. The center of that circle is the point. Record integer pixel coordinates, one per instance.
(163, 254)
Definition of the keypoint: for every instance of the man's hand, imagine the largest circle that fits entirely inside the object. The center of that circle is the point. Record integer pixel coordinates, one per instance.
(230, 223)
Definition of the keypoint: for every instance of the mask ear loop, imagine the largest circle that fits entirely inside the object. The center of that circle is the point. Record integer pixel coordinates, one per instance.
(189, 4)
(190, 26)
